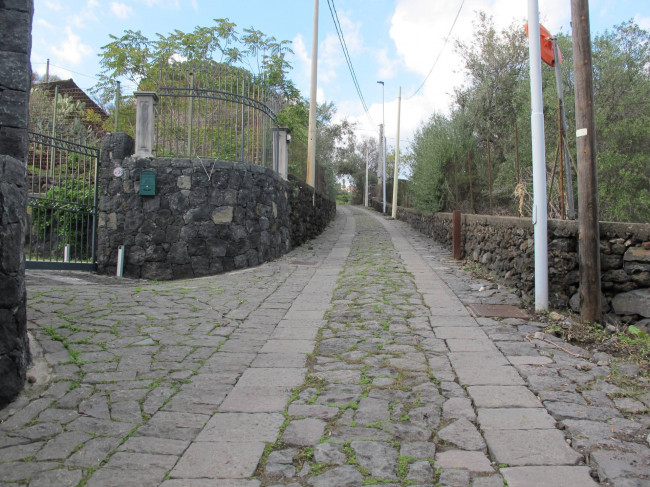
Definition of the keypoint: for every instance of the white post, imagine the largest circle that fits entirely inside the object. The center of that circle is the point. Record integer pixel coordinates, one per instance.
(283, 152)
(395, 176)
(66, 253)
(311, 141)
(144, 123)
(120, 261)
(539, 159)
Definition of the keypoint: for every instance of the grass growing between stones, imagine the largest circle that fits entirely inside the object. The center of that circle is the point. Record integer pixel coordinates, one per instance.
(629, 344)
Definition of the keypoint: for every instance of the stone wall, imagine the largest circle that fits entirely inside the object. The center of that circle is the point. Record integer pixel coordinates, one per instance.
(15, 75)
(206, 216)
(310, 212)
(504, 246)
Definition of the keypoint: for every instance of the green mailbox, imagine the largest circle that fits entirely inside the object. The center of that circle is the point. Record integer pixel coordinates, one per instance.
(147, 183)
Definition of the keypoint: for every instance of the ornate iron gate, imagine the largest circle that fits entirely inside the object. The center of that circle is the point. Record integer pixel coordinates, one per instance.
(62, 203)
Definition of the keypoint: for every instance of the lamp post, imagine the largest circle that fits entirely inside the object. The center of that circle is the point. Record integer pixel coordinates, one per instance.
(382, 150)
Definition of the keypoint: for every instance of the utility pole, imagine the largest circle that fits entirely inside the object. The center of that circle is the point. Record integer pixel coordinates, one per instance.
(395, 177)
(539, 159)
(313, 107)
(383, 166)
(564, 150)
(588, 225)
(365, 193)
(382, 152)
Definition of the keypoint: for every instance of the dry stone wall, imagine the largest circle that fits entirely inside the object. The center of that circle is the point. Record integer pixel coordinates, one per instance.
(504, 246)
(15, 74)
(206, 216)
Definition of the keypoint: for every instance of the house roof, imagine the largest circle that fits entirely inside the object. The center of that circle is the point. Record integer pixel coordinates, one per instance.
(69, 87)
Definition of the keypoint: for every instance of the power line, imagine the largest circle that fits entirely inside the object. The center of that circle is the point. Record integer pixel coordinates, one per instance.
(440, 52)
(344, 47)
(71, 71)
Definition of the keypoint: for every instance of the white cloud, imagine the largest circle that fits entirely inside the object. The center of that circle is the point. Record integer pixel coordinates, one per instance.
(43, 23)
(86, 15)
(72, 50)
(195, 5)
(330, 58)
(121, 10)
(644, 22)
(419, 29)
(386, 65)
(302, 60)
(173, 4)
(53, 5)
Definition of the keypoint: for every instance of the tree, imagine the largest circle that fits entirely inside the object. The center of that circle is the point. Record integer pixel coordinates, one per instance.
(621, 61)
(137, 59)
(495, 99)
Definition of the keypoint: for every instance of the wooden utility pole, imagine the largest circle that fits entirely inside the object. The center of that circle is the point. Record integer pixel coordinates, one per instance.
(471, 191)
(589, 238)
(489, 173)
(517, 152)
(560, 154)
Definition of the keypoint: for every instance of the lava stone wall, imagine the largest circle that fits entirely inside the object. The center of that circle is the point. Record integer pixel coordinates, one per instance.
(206, 217)
(15, 75)
(505, 247)
(310, 212)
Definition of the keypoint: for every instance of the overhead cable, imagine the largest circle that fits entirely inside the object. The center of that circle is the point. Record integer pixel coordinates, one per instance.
(344, 47)
(440, 52)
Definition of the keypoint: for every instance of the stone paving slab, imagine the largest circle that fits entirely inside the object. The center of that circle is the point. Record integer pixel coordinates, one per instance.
(242, 427)
(514, 419)
(530, 447)
(548, 476)
(212, 460)
(503, 397)
(357, 349)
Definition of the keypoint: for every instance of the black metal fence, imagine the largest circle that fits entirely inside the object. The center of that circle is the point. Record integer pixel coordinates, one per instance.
(62, 202)
(215, 111)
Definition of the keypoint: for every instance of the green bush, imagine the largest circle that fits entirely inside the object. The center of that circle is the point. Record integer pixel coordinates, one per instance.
(64, 215)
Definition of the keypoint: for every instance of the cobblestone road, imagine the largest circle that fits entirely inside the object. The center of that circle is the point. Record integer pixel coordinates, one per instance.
(350, 361)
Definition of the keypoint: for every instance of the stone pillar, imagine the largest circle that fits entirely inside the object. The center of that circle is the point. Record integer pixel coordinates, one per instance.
(144, 123)
(15, 79)
(281, 140)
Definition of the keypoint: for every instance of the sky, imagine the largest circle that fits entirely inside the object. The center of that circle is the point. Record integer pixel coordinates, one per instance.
(394, 41)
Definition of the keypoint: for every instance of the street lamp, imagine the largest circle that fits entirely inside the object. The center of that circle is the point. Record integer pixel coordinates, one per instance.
(382, 149)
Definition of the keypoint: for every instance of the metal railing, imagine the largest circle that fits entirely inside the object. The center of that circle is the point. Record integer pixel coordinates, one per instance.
(214, 111)
(62, 203)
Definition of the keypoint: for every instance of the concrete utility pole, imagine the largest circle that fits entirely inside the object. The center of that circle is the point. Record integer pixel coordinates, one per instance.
(539, 159)
(589, 239)
(395, 176)
(383, 166)
(313, 106)
(365, 193)
(382, 150)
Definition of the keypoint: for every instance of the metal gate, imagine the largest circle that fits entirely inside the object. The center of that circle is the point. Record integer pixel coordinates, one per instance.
(62, 203)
